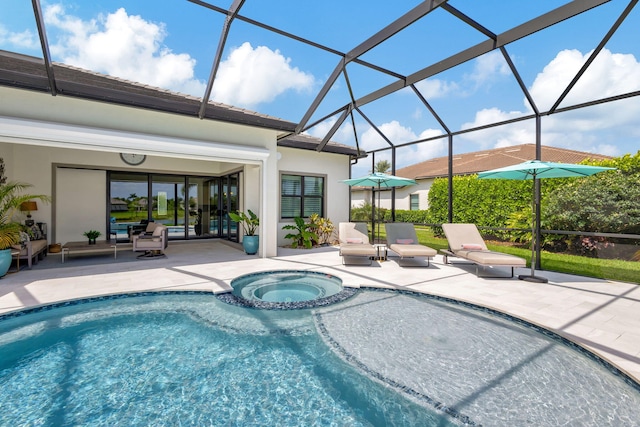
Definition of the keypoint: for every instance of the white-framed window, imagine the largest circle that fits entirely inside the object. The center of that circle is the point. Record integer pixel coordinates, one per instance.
(414, 202)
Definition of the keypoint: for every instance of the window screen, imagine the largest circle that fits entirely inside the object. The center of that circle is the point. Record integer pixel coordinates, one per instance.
(301, 196)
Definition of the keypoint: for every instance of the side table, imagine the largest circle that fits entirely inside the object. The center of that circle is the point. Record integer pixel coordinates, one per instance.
(381, 251)
(15, 254)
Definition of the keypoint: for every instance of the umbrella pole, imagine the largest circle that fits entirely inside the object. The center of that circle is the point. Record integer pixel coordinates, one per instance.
(534, 238)
(373, 213)
(377, 238)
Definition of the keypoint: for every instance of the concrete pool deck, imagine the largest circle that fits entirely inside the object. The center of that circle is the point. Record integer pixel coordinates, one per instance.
(601, 315)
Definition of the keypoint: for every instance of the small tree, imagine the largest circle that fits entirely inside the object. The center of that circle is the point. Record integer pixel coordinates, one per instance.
(382, 166)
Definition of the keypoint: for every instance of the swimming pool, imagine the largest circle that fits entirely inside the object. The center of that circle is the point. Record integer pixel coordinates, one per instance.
(379, 358)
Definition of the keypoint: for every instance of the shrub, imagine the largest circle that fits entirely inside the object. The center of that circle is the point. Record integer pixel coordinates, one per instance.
(484, 202)
(304, 236)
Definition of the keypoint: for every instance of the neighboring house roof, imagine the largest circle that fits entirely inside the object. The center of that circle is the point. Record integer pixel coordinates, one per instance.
(27, 72)
(479, 161)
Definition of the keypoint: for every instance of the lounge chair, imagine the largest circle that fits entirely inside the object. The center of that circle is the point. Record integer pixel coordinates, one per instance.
(403, 240)
(466, 242)
(153, 241)
(354, 242)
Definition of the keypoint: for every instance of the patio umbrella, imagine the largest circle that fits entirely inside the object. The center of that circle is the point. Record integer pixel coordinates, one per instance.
(379, 180)
(534, 170)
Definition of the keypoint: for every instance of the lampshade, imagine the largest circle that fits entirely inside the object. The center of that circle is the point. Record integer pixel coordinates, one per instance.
(29, 206)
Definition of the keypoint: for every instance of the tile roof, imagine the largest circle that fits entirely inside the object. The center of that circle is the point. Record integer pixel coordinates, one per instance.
(28, 72)
(479, 161)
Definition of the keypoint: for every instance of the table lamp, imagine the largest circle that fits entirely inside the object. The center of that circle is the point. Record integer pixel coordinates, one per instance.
(27, 207)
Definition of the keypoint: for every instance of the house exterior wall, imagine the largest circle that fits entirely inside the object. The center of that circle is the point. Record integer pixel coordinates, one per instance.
(76, 188)
(173, 144)
(334, 167)
(403, 196)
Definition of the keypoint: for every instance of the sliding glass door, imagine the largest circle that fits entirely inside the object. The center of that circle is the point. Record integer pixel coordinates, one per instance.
(229, 203)
(129, 200)
(203, 212)
(191, 207)
(168, 203)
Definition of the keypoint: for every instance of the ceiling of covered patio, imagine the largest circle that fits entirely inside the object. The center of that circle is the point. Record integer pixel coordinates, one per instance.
(405, 81)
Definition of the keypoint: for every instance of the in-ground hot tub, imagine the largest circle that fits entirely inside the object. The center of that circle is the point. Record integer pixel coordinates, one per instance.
(287, 289)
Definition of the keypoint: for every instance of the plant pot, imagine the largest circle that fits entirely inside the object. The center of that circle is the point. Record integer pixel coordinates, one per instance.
(5, 261)
(92, 241)
(250, 244)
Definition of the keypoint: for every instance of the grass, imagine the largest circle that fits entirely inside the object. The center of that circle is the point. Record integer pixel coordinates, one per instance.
(610, 269)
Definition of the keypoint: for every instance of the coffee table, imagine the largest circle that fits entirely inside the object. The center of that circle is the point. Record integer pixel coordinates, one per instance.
(103, 246)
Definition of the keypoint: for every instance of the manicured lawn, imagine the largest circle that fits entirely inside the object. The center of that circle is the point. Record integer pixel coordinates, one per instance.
(623, 271)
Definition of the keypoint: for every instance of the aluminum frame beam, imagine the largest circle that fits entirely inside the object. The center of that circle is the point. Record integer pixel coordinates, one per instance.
(37, 11)
(543, 21)
(395, 27)
(231, 15)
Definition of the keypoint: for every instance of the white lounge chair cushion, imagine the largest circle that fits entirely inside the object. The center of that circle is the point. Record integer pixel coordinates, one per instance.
(357, 250)
(413, 250)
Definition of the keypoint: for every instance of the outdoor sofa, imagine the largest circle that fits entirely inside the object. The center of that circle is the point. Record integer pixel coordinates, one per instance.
(31, 250)
(33, 246)
(466, 242)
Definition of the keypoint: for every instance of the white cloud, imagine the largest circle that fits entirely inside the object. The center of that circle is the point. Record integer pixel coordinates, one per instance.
(487, 67)
(399, 134)
(122, 45)
(433, 88)
(343, 134)
(609, 74)
(23, 40)
(592, 129)
(251, 76)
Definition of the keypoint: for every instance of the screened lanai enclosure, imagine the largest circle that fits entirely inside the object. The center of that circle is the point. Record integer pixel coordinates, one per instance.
(402, 81)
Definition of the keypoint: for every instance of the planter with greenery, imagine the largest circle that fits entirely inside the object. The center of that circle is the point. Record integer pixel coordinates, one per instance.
(250, 223)
(92, 235)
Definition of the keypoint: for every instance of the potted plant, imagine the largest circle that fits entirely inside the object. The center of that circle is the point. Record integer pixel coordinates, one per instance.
(250, 223)
(10, 201)
(92, 235)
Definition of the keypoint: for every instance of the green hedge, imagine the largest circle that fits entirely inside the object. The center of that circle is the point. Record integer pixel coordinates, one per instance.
(484, 202)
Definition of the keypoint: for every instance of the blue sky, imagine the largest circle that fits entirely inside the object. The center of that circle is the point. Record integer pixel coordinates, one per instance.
(171, 44)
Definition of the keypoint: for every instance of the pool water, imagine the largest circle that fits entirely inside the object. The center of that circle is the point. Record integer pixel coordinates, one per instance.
(380, 358)
(287, 290)
(184, 360)
(286, 286)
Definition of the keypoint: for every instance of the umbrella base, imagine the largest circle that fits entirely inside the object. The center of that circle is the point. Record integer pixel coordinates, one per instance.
(536, 279)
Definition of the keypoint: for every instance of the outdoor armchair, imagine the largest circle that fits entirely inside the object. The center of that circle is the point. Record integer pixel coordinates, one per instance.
(153, 241)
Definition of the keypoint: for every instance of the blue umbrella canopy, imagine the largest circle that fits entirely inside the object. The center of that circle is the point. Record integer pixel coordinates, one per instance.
(535, 170)
(380, 180)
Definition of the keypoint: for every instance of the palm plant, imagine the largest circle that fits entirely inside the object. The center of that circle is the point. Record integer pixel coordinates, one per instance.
(11, 198)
